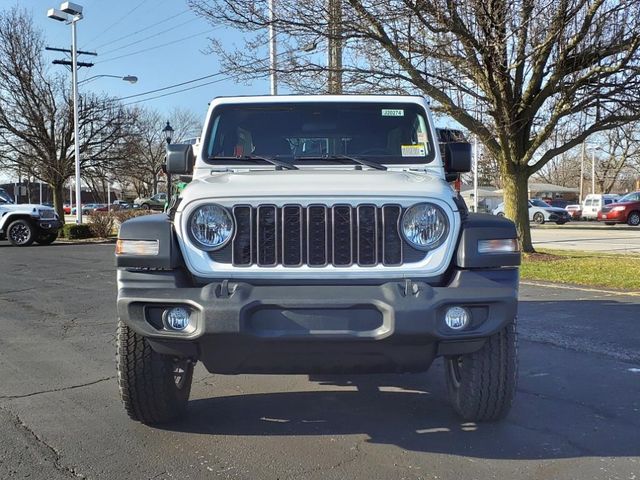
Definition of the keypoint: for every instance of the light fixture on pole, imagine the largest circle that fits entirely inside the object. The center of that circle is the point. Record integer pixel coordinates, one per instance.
(71, 13)
(127, 78)
(168, 132)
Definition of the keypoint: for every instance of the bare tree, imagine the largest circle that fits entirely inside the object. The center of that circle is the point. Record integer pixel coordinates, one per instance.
(142, 162)
(512, 72)
(621, 150)
(36, 119)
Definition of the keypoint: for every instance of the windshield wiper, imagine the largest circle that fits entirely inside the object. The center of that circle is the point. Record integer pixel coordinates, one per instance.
(270, 160)
(359, 160)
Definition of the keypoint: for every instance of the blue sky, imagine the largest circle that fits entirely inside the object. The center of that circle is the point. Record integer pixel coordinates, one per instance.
(173, 40)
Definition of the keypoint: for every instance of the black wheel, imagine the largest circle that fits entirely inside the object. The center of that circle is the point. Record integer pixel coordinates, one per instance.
(46, 238)
(538, 218)
(634, 219)
(21, 233)
(500, 214)
(610, 223)
(482, 384)
(145, 206)
(153, 387)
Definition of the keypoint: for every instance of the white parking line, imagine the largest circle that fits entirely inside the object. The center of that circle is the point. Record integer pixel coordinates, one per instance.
(581, 289)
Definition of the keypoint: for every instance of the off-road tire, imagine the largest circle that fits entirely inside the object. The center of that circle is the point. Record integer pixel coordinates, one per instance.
(21, 233)
(633, 219)
(46, 238)
(147, 381)
(482, 384)
(538, 218)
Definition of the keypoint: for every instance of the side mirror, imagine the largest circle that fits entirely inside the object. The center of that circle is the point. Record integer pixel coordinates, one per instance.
(457, 159)
(180, 159)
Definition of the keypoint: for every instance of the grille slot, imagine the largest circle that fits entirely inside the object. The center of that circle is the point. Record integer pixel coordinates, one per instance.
(317, 236)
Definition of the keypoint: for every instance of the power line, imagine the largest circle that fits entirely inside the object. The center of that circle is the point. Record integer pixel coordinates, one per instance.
(157, 46)
(117, 21)
(180, 91)
(138, 32)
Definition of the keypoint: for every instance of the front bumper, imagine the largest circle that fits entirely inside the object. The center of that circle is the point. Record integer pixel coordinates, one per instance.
(317, 328)
(49, 225)
(613, 216)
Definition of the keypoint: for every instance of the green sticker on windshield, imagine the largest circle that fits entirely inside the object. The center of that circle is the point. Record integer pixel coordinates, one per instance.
(392, 112)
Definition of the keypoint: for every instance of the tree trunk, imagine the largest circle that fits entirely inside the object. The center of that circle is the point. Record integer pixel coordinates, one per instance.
(516, 206)
(58, 199)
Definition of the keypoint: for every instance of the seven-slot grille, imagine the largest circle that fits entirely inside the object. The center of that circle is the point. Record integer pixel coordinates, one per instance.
(317, 235)
(47, 214)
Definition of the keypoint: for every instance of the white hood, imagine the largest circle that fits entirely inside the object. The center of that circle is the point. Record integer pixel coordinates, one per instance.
(317, 183)
(23, 207)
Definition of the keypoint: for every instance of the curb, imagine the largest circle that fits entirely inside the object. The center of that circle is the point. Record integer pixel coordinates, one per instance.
(85, 241)
(582, 288)
(598, 227)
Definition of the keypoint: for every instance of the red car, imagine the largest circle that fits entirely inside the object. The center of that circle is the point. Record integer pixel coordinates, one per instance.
(575, 211)
(626, 210)
(66, 208)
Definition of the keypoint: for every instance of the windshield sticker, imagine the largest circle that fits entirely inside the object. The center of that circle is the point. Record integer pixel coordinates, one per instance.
(414, 151)
(392, 112)
(422, 137)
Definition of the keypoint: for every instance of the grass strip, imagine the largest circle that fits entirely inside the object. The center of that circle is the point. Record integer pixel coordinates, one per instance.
(583, 268)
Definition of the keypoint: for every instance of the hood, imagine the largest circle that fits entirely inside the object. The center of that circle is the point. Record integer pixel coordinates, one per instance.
(309, 183)
(555, 209)
(24, 206)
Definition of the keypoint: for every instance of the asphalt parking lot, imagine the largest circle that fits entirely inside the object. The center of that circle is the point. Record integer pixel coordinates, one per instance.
(576, 414)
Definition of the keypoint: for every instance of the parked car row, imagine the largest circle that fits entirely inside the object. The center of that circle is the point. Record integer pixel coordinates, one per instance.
(89, 208)
(608, 208)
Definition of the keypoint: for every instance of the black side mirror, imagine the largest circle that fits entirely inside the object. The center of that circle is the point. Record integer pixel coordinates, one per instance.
(180, 159)
(457, 159)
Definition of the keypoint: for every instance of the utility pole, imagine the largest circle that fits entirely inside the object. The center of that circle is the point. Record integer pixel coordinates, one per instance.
(334, 53)
(584, 148)
(272, 48)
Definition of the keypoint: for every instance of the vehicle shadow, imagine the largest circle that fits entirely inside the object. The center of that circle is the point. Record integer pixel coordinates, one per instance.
(412, 412)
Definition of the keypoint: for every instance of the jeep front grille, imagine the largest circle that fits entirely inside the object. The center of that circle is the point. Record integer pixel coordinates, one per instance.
(46, 214)
(316, 236)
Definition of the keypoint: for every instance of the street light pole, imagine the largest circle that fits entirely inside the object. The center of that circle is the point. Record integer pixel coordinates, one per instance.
(584, 148)
(76, 129)
(272, 48)
(71, 14)
(593, 171)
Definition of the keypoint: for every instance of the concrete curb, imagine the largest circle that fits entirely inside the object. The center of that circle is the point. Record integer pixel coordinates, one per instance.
(595, 226)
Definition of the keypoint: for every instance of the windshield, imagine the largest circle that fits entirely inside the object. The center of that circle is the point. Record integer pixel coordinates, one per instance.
(539, 203)
(321, 131)
(4, 197)
(630, 197)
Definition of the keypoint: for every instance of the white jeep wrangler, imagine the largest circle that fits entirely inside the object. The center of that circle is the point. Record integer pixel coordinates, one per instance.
(25, 223)
(319, 235)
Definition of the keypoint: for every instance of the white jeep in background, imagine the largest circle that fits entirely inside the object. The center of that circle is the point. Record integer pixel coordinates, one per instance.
(319, 235)
(25, 223)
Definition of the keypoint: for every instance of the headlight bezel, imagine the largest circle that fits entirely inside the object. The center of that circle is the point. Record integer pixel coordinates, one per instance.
(204, 246)
(443, 237)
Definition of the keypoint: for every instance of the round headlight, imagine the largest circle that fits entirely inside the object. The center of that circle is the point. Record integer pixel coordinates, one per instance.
(211, 226)
(425, 226)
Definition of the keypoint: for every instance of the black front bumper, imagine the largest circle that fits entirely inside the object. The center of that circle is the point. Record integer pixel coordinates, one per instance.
(242, 328)
(49, 225)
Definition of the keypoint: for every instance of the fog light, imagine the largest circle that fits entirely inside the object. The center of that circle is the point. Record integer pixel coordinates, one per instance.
(177, 318)
(457, 318)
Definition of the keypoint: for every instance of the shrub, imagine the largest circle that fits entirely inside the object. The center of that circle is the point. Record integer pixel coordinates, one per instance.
(102, 224)
(74, 231)
(122, 216)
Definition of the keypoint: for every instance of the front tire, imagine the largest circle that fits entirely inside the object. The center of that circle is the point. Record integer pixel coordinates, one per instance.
(46, 238)
(145, 206)
(633, 219)
(154, 388)
(21, 233)
(538, 218)
(482, 384)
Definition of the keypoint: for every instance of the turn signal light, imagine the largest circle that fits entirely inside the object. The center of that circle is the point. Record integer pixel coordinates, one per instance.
(137, 247)
(503, 245)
